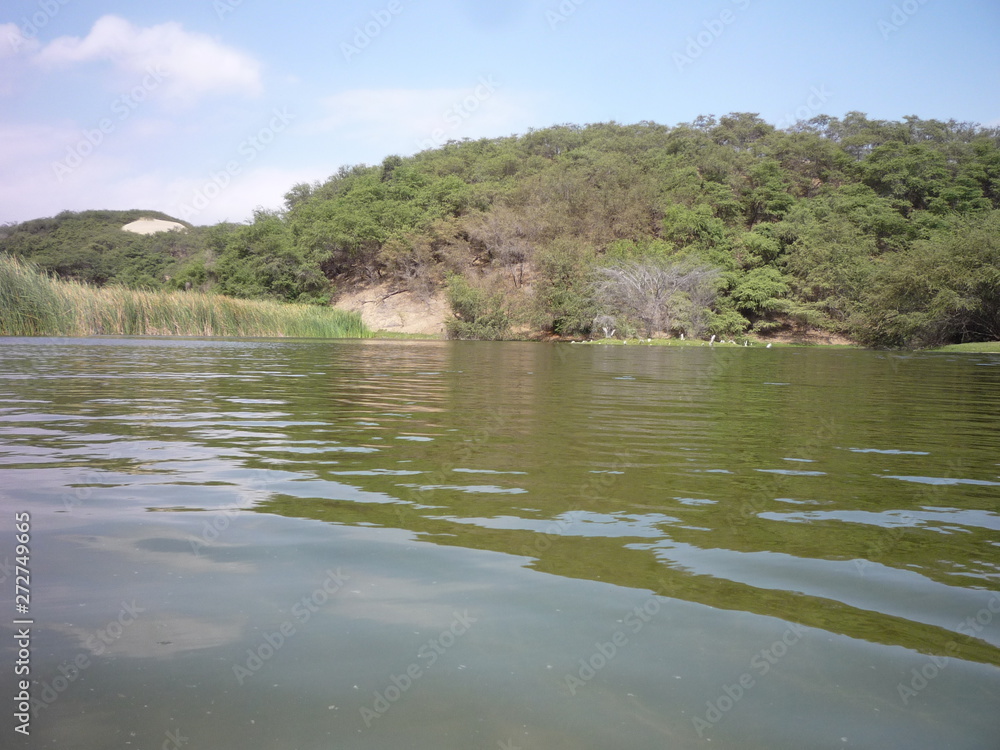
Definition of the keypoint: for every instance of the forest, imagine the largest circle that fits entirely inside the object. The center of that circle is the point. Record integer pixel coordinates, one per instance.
(885, 232)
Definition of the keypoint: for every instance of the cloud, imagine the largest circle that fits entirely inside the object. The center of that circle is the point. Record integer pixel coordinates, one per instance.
(15, 48)
(13, 41)
(259, 187)
(117, 177)
(193, 64)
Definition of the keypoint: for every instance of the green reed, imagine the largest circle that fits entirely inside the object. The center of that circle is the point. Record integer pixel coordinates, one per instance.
(33, 304)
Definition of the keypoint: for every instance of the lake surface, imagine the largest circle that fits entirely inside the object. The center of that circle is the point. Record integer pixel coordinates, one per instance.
(380, 544)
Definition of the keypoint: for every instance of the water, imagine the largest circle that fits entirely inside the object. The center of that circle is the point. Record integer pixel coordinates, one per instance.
(259, 544)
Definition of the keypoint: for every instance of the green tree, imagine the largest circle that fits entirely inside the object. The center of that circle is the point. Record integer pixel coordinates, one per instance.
(483, 308)
(563, 289)
(260, 261)
(946, 289)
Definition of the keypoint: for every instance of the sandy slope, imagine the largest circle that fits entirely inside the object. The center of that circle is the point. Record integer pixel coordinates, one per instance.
(384, 309)
(152, 226)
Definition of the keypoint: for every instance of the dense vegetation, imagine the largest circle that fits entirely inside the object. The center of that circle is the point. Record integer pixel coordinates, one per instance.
(32, 303)
(888, 232)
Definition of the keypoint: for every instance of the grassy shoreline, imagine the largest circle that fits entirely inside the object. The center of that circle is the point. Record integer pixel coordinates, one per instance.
(751, 343)
(981, 347)
(33, 304)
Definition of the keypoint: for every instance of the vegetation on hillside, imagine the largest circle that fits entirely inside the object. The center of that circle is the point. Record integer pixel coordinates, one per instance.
(34, 304)
(887, 232)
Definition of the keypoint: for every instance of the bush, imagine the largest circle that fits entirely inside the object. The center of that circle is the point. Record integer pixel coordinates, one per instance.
(483, 310)
(946, 290)
(659, 297)
(564, 292)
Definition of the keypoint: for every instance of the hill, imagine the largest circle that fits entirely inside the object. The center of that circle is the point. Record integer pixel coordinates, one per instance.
(93, 247)
(883, 231)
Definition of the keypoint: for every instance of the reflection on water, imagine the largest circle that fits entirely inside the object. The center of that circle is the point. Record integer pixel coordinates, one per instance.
(647, 547)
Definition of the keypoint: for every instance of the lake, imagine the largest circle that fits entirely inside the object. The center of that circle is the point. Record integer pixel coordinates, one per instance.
(426, 544)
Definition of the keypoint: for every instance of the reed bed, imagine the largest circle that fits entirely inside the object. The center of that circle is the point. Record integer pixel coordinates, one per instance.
(33, 304)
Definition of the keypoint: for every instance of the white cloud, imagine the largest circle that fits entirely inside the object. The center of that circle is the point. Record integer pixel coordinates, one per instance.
(260, 187)
(110, 179)
(14, 42)
(15, 48)
(192, 64)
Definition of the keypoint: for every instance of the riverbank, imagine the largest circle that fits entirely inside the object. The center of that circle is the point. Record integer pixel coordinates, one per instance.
(741, 342)
(980, 347)
(33, 304)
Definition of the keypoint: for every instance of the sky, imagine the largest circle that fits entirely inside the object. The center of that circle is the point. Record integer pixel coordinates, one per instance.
(209, 109)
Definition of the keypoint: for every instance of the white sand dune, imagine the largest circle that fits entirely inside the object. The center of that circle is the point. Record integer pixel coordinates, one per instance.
(152, 226)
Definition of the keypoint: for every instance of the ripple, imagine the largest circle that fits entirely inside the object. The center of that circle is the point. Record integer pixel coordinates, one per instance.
(483, 489)
(890, 452)
(943, 519)
(793, 472)
(486, 471)
(579, 523)
(940, 480)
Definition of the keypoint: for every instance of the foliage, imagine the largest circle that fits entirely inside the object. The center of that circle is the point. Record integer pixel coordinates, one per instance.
(659, 297)
(564, 293)
(849, 224)
(483, 309)
(91, 247)
(32, 304)
(945, 290)
(260, 261)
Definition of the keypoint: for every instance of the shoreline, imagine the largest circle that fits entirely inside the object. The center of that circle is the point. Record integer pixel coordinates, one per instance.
(983, 347)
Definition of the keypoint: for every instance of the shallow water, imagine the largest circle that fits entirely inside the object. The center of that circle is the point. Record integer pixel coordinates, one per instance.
(371, 544)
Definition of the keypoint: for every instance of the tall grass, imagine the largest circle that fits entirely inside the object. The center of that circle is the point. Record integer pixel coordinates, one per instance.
(33, 304)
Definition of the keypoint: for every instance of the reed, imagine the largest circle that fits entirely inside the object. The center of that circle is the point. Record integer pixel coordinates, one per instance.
(33, 304)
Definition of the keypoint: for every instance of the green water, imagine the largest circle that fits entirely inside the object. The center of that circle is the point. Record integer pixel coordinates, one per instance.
(391, 544)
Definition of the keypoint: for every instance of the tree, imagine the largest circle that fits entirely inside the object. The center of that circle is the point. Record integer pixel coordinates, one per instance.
(483, 308)
(659, 297)
(507, 237)
(946, 289)
(260, 260)
(563, 291)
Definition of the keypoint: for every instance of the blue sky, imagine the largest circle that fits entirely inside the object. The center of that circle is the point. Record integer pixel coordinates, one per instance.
(206, 109)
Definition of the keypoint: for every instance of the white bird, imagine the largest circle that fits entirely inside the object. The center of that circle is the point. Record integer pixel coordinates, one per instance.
(768, 346)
